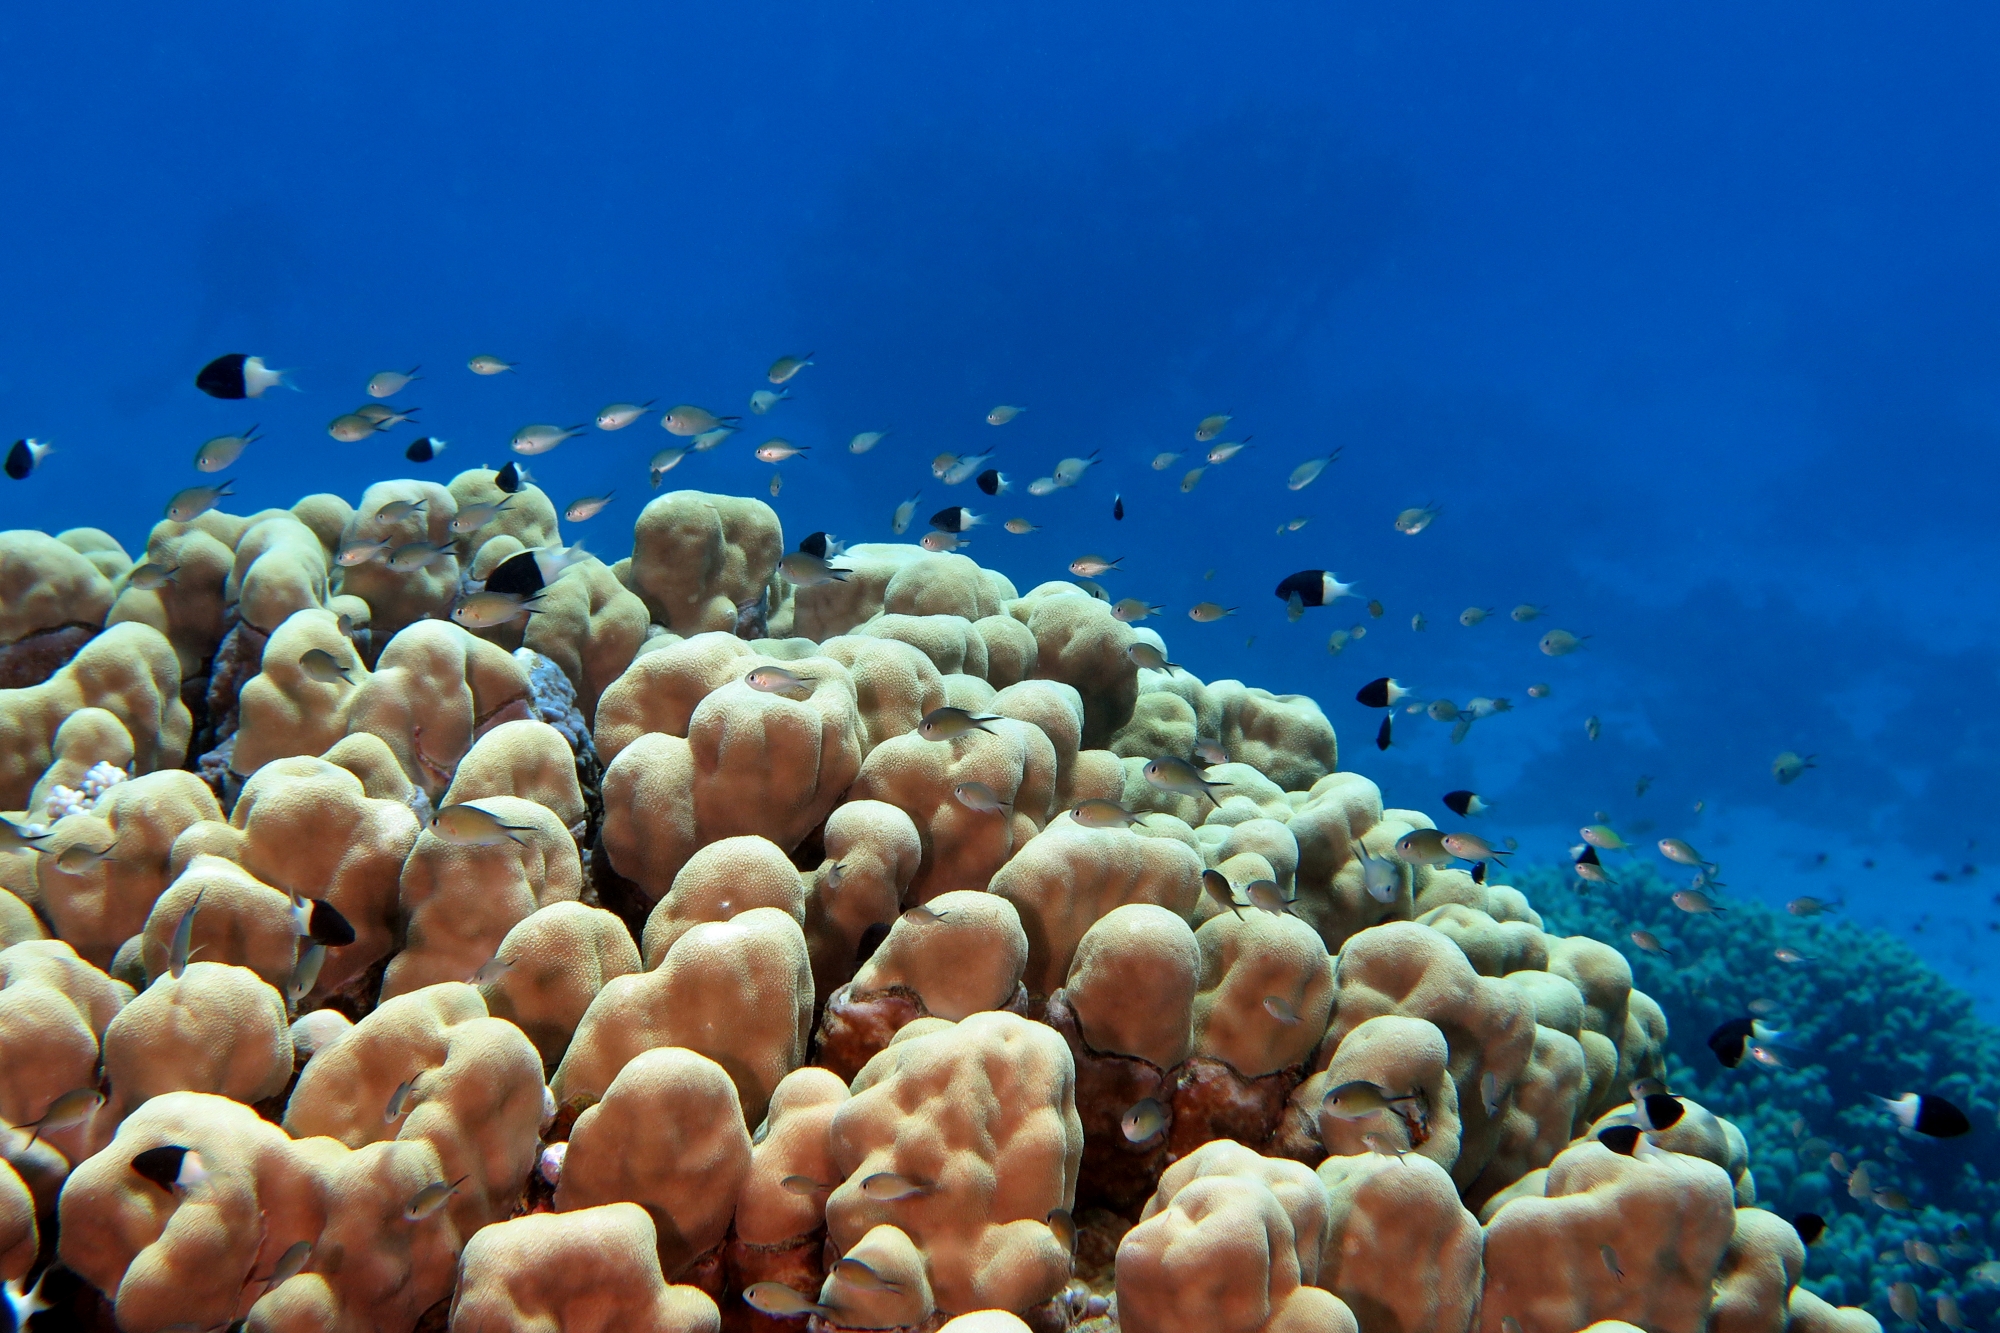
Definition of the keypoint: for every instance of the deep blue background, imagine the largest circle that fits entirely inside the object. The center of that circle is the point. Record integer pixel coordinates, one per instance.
(1689, 317)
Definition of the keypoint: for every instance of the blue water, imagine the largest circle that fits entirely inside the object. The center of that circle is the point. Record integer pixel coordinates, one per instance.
(1688, 316)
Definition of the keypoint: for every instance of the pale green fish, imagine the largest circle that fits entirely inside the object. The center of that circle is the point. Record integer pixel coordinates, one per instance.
(432, 1197)
(1360, 1098)
(780, 1301)
(1696, 902)
(350, 427)
(1681, 853)
(1192, 479)
(489, 365)
(948, 723)
(1144, 1120)
(1090, 566)
(1003, 414)
(687, 419)
(399, 1101)
(1472, 615)
(1417, 622)
(1210, 427)
(1526, 611)
(1423, 847)
(1903, 1300)
(323, 666)
(382, 416)
(959, 471)
(888, 1187)
(1592, 727)
(1203, 613)
(1306, 473)
(540, 438)
(1293, 525)
(787, 366)
(866, 440)
(491, 971)
(1805, 906)
(708, 439)
(763, 400)
(1650, 943)
(389, 383)
(1479, 706)
(1610, 1257)
(192, 503)
(1471, 847)
(1216, 885)
(223, 450)
(1382, 876)
(664, 462)
(1787, 767)
(1603, 837)
(803, 1186)
(79, 859)
(942, 464)
(1145, 655)
(777, 680)
(1561, 643)
(1209, 751)
(617, 416)
(1131, 610)
(487, 610)
(1337, 642)
(1277, 1007)
(1949, 1314)
(474, 517)
(1063, 1224)
(14, 835)
(305, 972)
(1043, 486)
(1179, 777)
(1414, 521)
(149, 576)
(67, 1111)
(941, 542)
(589, 507)
(181, 947)
(465, 825)
(1442, 710)
(859, 1275)
(1266, 896)
(1787, 954)
(397, 510)
(1163, 461)
(413, 556)
(1539, 691)
(290, 1264)
(1923, 1252)
(1101, 813)
(803, 570)
(778, 450)
(777, 484)
(1227, 450)
(1070, 470)
(899, 522)
(923, 915)
(979, 797)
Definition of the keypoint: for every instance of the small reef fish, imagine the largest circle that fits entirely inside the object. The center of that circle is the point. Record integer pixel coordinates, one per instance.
(589, 507)
(763, 400)
(427, 1201)
(1216, 885)
(1560, 643)
(223, 450)
(949, 723)
(888, 1187)
(24, 456)
(174, 1167)
(192, 503)
(617, 416)
(1787, 767)
(1211, 426)
(785, 367)
(1101, 813)
(1144, 1121)
(1180, 778)
(1206, 613)
(1306, 473)
(467, 825)
(389, 383)
(1145, 655)
(865, 440)
(490, 365)
(1413, 521)
(234, 375)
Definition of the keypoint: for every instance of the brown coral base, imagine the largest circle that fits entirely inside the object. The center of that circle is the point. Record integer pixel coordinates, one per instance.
(33, 658)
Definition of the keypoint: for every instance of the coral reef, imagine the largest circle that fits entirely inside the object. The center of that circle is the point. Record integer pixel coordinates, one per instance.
(655, 964)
